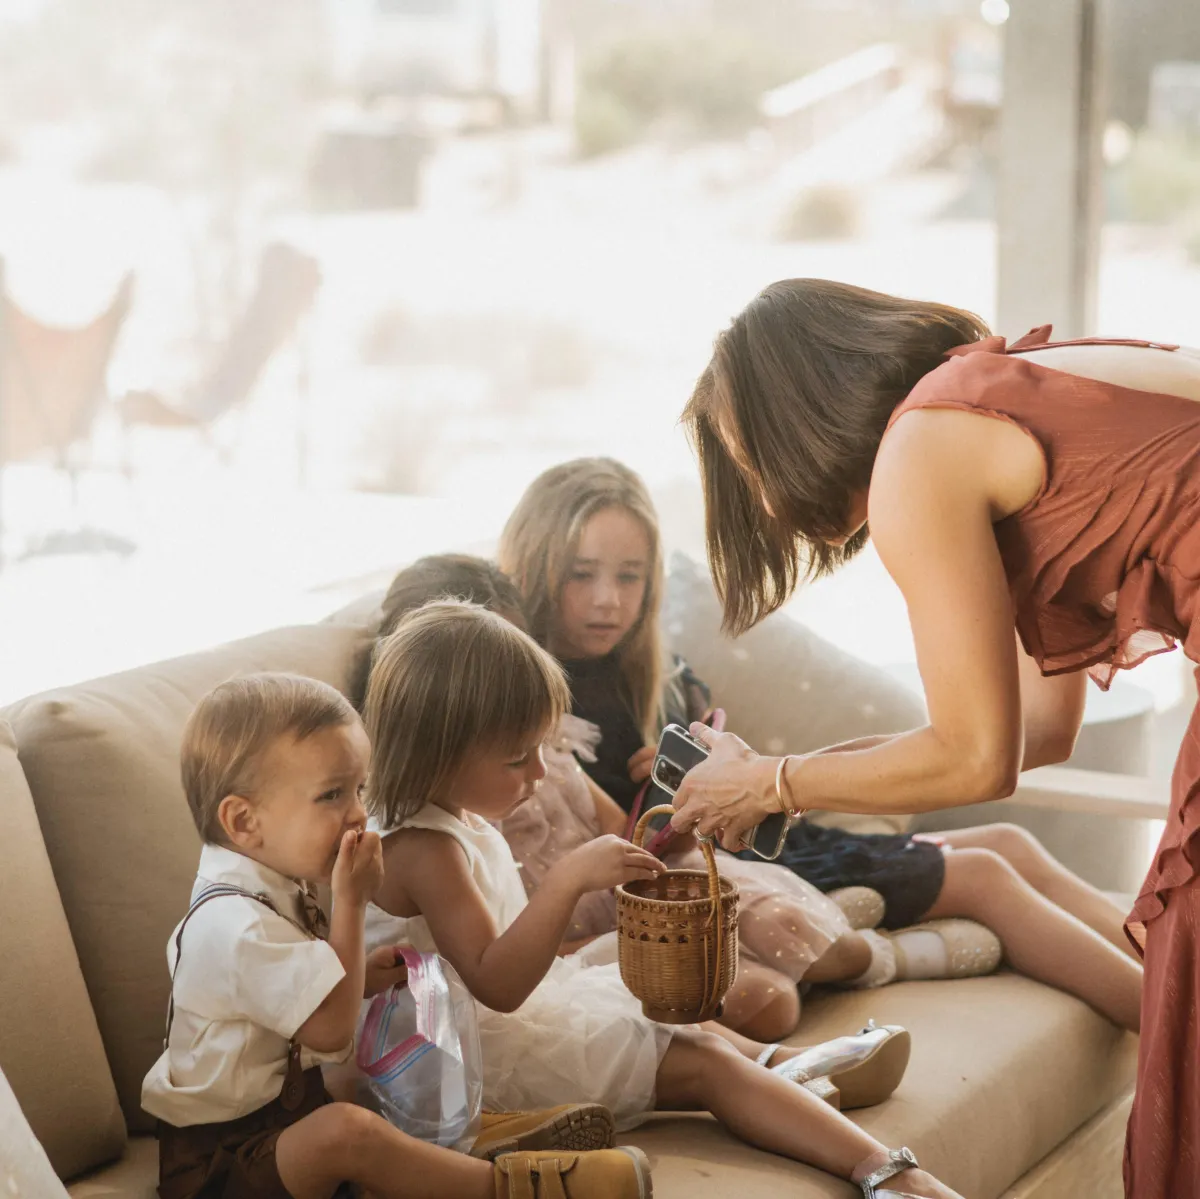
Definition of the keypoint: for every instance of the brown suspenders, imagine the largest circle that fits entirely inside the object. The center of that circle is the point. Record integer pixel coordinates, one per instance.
(292, 1094)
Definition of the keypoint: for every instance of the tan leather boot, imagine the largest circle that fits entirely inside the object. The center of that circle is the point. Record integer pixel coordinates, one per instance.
(604, 1174)
(575, 1126)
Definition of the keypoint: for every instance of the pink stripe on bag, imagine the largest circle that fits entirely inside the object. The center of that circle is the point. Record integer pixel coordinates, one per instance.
(379, 1015)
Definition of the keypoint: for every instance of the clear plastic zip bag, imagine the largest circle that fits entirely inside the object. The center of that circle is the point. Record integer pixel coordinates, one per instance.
(418, 1056)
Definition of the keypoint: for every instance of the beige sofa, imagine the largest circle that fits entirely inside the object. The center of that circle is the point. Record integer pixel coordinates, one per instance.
(1014, 1089)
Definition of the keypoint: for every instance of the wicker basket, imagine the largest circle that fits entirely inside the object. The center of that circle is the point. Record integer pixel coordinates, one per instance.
(677, 938)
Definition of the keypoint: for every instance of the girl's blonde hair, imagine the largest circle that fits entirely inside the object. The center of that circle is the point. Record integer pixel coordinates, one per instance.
(538, 547)
(452, 679)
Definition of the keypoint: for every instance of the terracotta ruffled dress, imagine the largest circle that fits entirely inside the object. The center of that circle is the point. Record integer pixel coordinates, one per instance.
(1104, 570)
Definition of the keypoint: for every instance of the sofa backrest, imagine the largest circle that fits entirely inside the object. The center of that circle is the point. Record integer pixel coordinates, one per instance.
(102, 762)
(50, 1048)
(783, 687)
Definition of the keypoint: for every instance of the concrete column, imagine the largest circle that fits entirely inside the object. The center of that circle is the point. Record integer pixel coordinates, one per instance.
(1050, 172)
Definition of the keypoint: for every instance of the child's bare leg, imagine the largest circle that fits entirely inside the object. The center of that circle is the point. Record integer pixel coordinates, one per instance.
(762, 1003)
(1049, 877)
(703, 1072)
(752, 1049)
(343, 1143)
(749, 1047)
(1040, 939)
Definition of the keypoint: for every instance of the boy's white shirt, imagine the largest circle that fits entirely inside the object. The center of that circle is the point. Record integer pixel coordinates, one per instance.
(247, 980)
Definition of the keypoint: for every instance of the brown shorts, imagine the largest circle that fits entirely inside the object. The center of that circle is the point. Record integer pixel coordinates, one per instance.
(236, 1159)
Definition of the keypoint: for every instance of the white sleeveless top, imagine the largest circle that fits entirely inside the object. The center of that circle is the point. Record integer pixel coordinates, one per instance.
(492, 868)
(580, 1037)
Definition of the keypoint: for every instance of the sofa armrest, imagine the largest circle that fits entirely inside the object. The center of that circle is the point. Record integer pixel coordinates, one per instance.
(1093, 792)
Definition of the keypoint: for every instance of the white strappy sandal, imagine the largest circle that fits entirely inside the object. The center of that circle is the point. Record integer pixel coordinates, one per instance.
(856, 1071)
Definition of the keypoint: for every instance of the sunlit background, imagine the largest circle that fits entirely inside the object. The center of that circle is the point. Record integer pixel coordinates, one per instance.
(296, 290)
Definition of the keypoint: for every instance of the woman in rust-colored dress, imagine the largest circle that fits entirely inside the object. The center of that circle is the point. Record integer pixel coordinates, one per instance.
(1054, 487)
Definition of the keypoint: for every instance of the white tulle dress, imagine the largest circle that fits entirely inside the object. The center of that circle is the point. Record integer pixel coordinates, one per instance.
(580, 1037)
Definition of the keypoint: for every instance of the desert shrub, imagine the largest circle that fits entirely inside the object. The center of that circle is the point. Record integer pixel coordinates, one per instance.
(1160, 180)
(603, 124)
(823, 213)
(709, 81)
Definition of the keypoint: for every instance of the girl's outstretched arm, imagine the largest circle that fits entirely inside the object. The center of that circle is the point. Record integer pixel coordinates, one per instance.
(501, 969)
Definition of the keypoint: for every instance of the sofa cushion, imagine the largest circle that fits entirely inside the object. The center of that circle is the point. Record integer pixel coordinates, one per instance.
(102, 760)
(50, 1048)
(783, 687)
(135, 1176)
(362, 613)
(1002, 1071)
(25, 1170)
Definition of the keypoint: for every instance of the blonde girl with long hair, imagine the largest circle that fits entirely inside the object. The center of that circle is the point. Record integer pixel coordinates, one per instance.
(584, 547)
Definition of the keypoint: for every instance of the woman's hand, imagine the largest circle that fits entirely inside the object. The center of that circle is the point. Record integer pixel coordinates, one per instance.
(729, 793)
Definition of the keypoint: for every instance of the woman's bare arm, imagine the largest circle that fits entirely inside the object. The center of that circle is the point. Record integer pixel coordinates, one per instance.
(1051, 708)
(941, 480)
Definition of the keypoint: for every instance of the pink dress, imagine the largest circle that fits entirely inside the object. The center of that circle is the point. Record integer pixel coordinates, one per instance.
(784, 923)
(1103, 565)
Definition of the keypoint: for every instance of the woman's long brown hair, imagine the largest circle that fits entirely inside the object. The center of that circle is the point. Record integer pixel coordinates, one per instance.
(802, 383)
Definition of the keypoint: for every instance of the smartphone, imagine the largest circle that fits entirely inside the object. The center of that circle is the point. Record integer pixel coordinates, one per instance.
(665, 836)
(767, 839)
(678, 752)
(682, 752)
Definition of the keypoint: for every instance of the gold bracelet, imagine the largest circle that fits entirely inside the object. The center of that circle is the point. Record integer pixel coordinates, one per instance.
(793, 811)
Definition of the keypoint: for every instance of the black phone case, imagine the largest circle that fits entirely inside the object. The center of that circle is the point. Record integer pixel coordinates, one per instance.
(766, 838)
(678, 752)
(681, 750)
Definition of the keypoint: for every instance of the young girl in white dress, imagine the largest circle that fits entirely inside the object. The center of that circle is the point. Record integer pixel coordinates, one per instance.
(785, 925)
(458, 706)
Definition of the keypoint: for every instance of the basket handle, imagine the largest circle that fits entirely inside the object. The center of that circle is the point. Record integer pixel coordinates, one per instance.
(714, 891)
